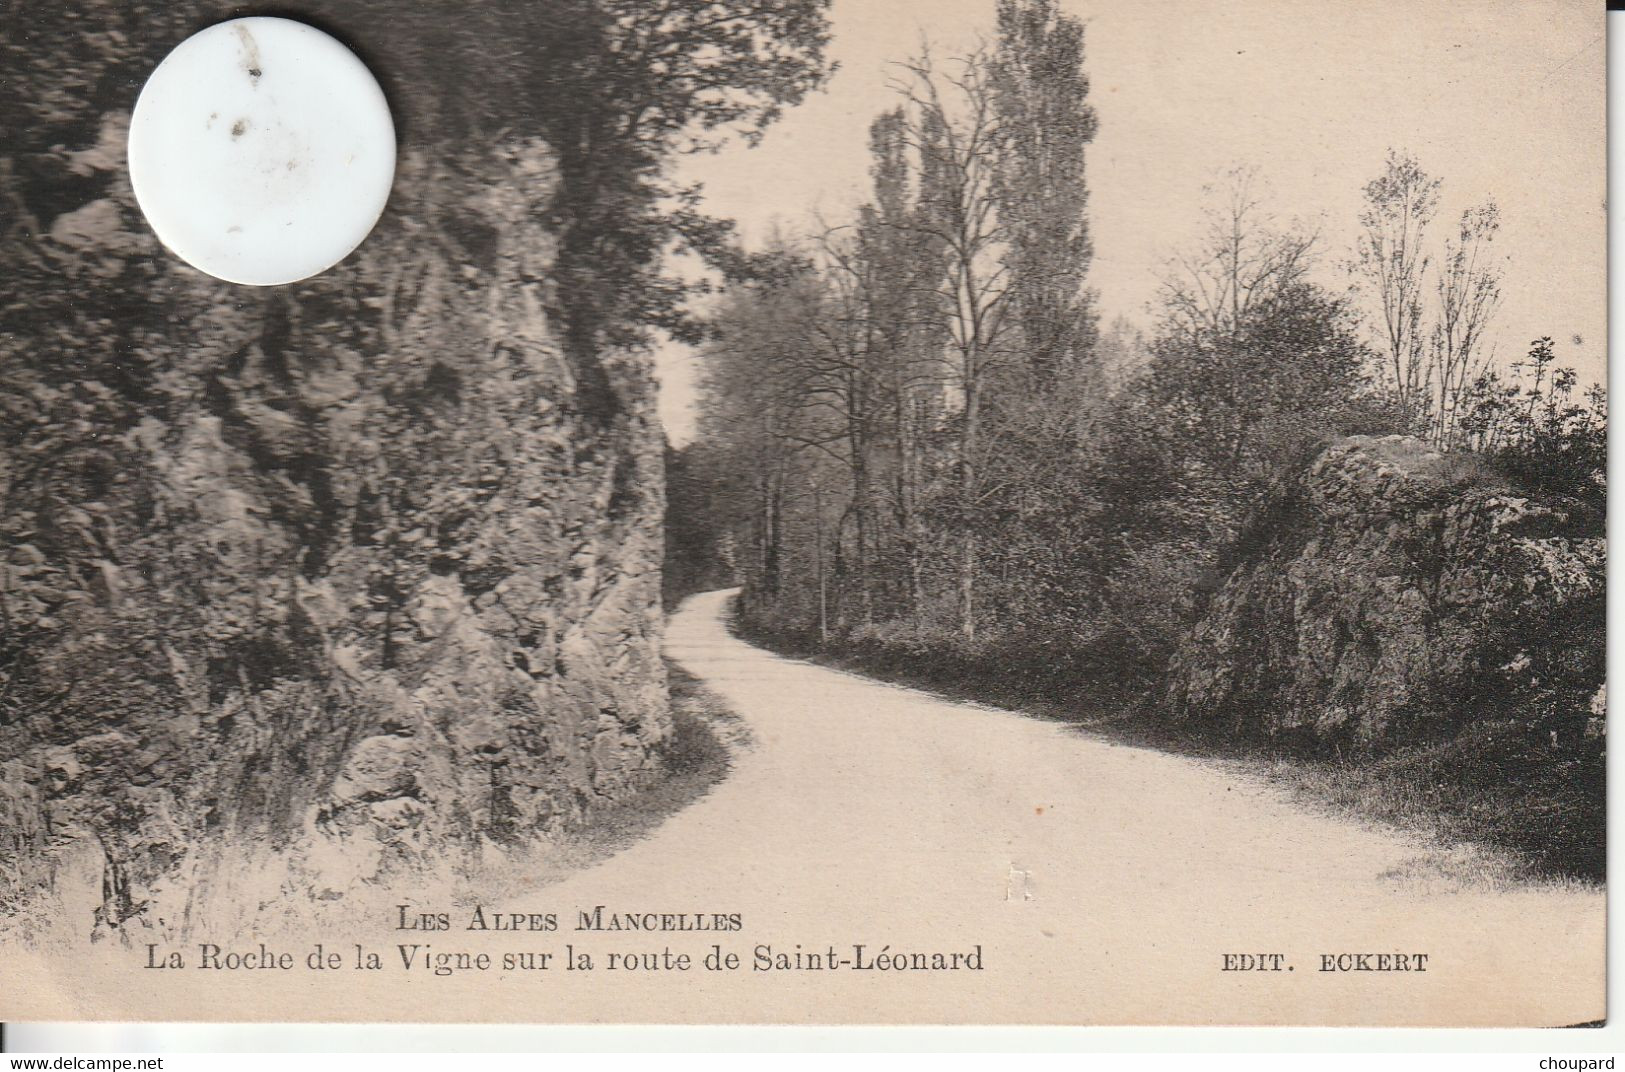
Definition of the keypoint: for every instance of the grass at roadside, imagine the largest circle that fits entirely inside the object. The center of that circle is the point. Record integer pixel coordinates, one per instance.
(1491, 804)
(1488, 786)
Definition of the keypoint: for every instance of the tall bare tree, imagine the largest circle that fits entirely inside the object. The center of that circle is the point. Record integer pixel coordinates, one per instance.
(761, 406)
(1392, 256)
(1244, 258)
(1469, 293)
(906, 267)
(952, 122)
(1432, 351)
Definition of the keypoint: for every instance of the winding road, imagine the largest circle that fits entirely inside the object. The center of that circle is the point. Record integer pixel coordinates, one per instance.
(1079, 881)
(1103, 883)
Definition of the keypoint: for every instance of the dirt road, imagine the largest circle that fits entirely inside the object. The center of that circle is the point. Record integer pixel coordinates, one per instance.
(1103, 883)
(1077, 881)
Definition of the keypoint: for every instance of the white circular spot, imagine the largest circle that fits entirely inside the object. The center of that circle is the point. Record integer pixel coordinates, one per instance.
(262, 151)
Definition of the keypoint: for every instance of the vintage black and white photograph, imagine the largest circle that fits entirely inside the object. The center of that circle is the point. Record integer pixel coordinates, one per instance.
(1082, 512)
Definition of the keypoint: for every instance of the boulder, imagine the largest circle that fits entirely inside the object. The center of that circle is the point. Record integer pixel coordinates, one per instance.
(1390, 592)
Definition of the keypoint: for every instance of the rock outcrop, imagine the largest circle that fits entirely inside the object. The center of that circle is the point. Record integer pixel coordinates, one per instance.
(355, 573)
(1391, 592)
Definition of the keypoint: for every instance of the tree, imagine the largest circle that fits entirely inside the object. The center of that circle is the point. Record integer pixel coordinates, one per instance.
(1041, 100)
(1469, 292)
(762, 406)
(1431, 356)
(907, 266)
(1392, 255)
(1250, 366)
(1120, 352)
(955, 314)
(1043, 402)
(704, 513)
(1270, 385)
(952, 123)
(1243, 260)
(849, 349)
(647, 82)
(1228, 306)
(881, 343)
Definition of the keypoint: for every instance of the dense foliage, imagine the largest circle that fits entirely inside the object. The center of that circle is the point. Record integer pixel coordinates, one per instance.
(925, 449)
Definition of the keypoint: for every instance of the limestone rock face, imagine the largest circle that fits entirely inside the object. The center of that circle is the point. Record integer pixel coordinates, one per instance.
(354, 573)
(1391, 591)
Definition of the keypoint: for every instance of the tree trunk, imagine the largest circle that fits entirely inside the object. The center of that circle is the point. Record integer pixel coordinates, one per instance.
(773, 533)
(967, 490)
(967, 586)
(907, 526)
(860, 523)
(823, 582)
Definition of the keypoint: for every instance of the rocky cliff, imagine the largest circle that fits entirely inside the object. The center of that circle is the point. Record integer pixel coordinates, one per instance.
(352, 574)
(1389, 593)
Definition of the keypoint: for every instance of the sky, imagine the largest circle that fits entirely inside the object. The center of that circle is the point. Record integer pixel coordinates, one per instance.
(1501, 99)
